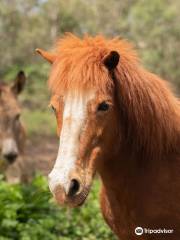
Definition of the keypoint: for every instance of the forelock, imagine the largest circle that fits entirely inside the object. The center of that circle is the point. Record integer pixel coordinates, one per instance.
(79, 65)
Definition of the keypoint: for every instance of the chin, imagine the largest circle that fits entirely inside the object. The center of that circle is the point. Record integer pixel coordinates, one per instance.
(73, 202)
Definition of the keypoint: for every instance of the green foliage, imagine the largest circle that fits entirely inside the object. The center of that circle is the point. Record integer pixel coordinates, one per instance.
(154, 28)
(27, 212)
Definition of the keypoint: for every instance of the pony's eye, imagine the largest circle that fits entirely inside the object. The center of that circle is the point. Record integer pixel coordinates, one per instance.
(103, 106)
(53, 109)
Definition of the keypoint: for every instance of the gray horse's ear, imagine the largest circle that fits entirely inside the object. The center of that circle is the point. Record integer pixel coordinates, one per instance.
(111, 60)
(19, 83)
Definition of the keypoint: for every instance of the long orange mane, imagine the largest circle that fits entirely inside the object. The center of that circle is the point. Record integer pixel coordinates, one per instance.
(80, 62)
(149, 112)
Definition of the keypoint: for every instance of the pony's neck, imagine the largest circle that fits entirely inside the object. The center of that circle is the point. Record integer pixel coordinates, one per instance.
(149, 127)
(148, 113)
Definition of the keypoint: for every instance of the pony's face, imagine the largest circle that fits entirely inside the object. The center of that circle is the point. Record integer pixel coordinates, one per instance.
(86, 120)
(10, 125)
(86, 127)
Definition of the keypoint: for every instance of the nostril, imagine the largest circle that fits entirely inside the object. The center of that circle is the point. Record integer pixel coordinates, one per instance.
(11, 157)
(73, 188)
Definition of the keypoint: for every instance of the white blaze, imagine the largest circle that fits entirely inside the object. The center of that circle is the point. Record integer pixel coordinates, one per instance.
(73, 118)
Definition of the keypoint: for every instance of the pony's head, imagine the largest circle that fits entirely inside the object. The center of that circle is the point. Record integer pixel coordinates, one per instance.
(83, 100)
(107, 106)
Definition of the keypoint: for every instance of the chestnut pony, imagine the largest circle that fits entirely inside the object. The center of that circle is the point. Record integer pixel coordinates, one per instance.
(118, 119)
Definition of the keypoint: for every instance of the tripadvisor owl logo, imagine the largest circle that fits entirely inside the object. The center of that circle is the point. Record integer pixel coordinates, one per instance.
(139, 231)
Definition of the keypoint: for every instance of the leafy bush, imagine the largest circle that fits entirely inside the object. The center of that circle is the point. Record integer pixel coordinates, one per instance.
(27, 212)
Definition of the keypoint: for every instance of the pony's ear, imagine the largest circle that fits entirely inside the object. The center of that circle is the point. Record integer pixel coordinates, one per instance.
(19, 83)
(111, 60)
(50, 57)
